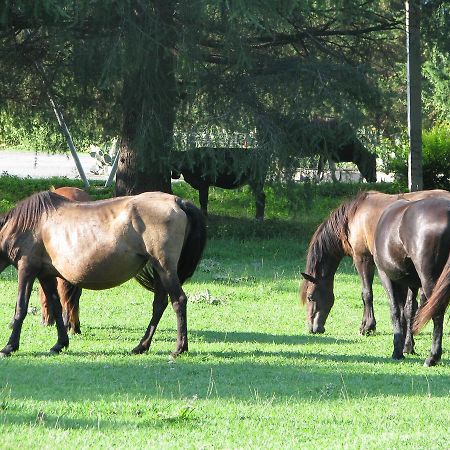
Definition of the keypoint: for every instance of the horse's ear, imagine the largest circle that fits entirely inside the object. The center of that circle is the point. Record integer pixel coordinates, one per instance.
(309, 278)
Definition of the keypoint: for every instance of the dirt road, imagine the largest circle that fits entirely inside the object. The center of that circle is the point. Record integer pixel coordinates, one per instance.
(43, 165)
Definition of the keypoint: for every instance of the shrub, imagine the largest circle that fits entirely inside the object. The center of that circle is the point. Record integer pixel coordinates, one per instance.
(436, 158)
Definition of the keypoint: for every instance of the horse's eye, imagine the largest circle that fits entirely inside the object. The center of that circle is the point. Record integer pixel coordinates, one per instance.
(309, 297)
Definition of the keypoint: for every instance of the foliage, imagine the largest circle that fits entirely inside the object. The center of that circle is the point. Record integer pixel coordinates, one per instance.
(437, 87)
(436, 158)
(127, 69)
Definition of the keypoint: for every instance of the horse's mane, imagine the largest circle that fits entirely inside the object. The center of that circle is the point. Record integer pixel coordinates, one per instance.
(27, 213)
(330, 239)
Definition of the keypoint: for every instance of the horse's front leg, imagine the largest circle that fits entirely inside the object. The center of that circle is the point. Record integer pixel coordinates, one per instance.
(51, 292)
(203, 195)
(366, 269)
(260, 200)
(26, 277)
(160, 302)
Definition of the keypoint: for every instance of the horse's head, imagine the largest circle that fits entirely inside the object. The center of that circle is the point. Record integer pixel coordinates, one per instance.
(176, 168)
(366, 162)
(317, 294)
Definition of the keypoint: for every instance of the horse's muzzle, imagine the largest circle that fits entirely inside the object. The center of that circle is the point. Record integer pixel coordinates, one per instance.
(319, 329)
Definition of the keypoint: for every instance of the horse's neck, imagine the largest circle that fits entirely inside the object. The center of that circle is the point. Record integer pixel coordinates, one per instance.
(333, 249)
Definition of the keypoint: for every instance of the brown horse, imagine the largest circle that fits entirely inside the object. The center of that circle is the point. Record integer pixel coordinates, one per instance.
(412, 251)
(157, 238)
(348, 231)
(68, 293)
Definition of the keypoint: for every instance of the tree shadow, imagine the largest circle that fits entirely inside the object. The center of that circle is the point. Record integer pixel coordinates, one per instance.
(265, 338)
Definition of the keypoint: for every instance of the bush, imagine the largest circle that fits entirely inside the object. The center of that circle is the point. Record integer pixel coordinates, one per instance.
(436, 158)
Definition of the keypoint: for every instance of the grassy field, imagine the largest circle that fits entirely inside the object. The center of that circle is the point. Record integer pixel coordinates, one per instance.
(253, 378)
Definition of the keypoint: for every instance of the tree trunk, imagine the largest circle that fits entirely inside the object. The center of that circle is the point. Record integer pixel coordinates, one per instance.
(148, 104)
(415, 176)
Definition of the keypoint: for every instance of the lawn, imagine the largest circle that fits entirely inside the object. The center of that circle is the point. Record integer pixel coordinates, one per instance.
(253, 378)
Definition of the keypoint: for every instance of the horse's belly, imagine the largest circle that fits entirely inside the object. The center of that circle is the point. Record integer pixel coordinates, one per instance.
(97, 267)
(101, 273)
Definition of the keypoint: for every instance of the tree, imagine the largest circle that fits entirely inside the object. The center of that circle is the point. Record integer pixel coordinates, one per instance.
(144, 67)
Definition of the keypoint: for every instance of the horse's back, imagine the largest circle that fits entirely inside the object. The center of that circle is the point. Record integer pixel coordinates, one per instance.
(227, 168)
(363, 224)
(73, 193)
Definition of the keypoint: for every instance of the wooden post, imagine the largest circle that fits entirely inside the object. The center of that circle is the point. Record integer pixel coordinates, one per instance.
(415, 173)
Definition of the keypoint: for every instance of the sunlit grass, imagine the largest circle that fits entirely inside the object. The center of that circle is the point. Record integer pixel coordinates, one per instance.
(253, 377)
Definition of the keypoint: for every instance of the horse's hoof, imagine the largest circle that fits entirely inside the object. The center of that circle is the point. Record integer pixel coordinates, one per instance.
(7, 350)
(139, 350)
(178, 352)
(398, 357)
(367, 330)
(430, 362)
(73, 330)
(57, 348)
(409, 350)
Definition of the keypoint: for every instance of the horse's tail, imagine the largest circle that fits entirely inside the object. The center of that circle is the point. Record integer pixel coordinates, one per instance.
(438, 302)
(195, 241)
(191, 252)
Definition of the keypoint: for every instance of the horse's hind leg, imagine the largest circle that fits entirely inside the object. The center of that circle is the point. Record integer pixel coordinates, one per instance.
(48, 318)
(51, 292)
(436, 346)
(70, 302)
(160, 302)
(409, 313)
(397, 298)
(179, 303)
(26, 278)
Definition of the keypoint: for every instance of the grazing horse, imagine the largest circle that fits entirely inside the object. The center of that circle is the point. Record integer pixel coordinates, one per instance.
(226, 168)
(156, 237)
(335, 141)
(68, 293)
(351, 151)
(412, 251)
(348, 231)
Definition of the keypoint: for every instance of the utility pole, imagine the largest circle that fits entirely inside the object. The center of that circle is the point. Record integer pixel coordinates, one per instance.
(414, 77)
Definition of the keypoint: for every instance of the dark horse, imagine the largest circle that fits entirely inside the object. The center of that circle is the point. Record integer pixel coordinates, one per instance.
(230, 168)
(157, 238)
(412, 251)
(226, 168)
(351, 151)
(348, 231)
(334, 141)
(69, 294)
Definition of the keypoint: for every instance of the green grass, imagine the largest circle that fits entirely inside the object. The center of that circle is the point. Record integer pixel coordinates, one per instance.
(253, 378)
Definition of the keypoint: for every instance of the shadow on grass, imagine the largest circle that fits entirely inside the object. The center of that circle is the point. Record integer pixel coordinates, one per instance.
(264, 338)
(285, 375)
